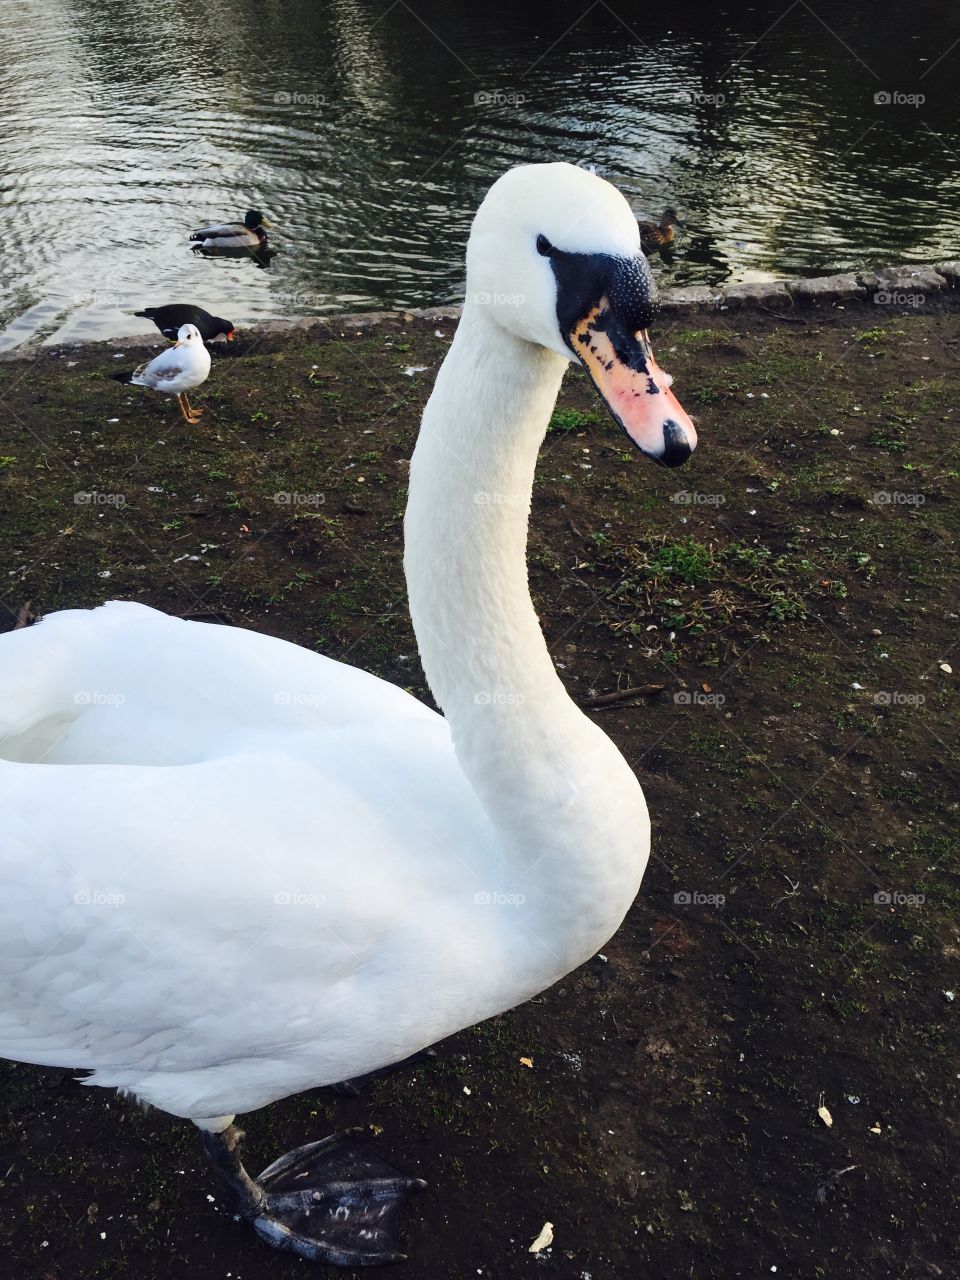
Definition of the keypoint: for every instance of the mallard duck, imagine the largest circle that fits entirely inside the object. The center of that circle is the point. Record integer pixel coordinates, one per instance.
(657, 236)
(175, 371)
(248, 234)
(252, 870)
(170, 318)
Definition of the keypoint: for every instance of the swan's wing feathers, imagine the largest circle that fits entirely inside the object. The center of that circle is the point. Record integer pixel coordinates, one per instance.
(137, 947)
(52, 672)
(239, 918)
(118, 683)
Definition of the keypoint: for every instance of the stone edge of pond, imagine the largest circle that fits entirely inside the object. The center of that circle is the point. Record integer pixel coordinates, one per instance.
(910, 286)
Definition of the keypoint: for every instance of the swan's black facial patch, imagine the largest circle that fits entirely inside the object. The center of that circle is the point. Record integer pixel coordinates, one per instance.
(630, 353)
(584, 278)
(604, 306)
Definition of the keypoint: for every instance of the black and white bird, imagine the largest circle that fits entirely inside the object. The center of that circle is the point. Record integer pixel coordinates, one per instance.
(171, 317)
(176, 370)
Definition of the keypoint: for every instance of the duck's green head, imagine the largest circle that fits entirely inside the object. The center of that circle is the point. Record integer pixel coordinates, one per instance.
(253, 219)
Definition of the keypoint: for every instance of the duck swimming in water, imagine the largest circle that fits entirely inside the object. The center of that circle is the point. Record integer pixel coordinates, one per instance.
(248, 234)
(657, 236)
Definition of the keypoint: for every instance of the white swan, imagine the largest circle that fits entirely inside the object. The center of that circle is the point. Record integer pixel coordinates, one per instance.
(233, 869)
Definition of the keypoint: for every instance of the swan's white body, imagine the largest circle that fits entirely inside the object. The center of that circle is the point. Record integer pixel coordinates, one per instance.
(233, 869)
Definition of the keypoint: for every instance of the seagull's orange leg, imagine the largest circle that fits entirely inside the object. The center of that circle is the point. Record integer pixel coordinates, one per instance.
(191, 415)
(184, 408)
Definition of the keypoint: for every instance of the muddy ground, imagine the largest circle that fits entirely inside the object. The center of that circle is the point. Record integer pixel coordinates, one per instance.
(796, 935)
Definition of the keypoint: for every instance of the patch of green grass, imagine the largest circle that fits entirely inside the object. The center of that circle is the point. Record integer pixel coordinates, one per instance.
(686, 585)
(878, 334)
(701, 337)
(686, 559)
(567, 419)
(881, 438)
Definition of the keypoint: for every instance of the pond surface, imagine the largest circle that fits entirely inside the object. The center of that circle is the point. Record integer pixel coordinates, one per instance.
(791, 137)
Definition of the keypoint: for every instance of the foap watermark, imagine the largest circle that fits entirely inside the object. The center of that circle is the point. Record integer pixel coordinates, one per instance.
(493, 498)
(694, 898)
(896, 698)
(698, 698)
(896, 98)
(498, 698)
(498, 98)
(295, 98)
(897, 898)
(96, 698)
(497, 299)
(299, 300)
(690, 498)
(100, 298)
(98, 898)
(498, 899)
(292, 498)
(297, 898)
(897, 498)
(298, 698)
(93, 498)
(897, 298)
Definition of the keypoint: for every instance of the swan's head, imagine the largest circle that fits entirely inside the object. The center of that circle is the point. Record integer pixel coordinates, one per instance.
(554, 256)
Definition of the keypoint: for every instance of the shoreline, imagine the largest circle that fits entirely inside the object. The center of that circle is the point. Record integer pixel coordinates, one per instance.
(906, 287)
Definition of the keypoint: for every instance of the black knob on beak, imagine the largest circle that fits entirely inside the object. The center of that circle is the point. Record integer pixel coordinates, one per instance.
(676, 445)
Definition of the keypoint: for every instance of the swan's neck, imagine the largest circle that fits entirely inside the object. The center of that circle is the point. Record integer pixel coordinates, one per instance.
(549, 779)
(471, 479)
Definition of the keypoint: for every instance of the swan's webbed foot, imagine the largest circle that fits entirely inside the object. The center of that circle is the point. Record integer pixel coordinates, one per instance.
(331, 1201)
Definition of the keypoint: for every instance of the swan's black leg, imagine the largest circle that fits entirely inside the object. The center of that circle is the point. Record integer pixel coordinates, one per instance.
(221, 1150)
(331, 1201)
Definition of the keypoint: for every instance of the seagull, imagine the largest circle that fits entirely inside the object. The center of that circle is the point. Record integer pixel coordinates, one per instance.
(176, 371)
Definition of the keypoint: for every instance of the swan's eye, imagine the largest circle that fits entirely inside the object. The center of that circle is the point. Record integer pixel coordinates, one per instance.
(544, 247)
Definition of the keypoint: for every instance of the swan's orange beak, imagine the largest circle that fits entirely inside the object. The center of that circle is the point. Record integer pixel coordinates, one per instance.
(633, 386)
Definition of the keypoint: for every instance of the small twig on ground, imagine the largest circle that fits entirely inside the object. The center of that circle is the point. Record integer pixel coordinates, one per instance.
(621, 695)
(794, 889)
(831, 1180)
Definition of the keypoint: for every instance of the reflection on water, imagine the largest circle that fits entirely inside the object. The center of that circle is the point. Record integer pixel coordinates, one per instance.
(367, 132)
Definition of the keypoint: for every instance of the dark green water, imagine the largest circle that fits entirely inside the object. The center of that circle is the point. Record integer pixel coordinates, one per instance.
(368, 131)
